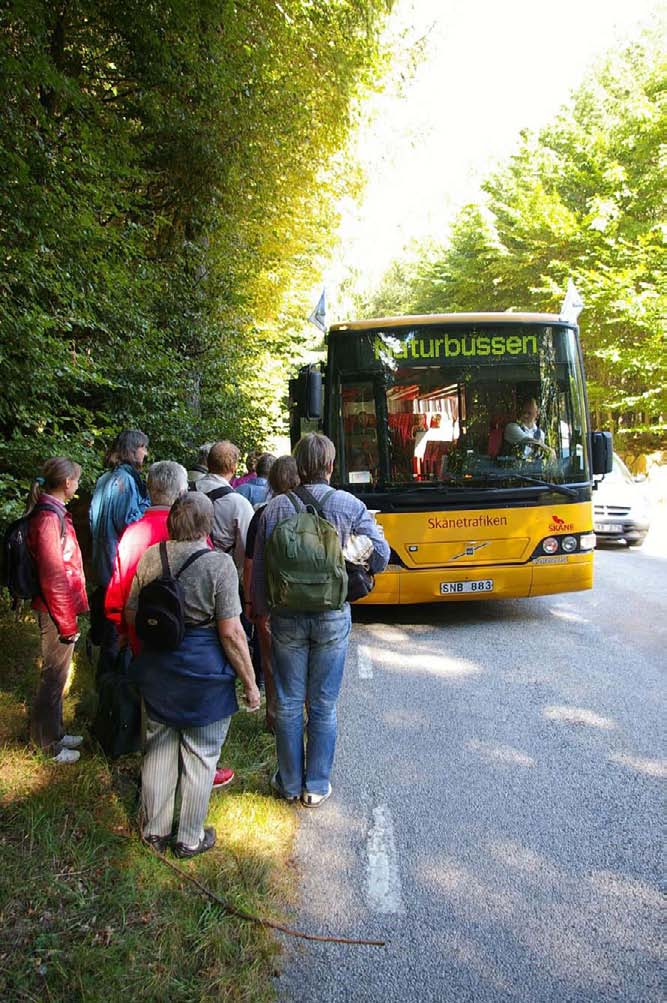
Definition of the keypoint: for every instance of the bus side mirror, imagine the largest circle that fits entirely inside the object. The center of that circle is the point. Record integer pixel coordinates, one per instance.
(310, 396)
(602, 452)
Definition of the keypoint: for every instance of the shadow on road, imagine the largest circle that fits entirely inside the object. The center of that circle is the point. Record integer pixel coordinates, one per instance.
(454, 613)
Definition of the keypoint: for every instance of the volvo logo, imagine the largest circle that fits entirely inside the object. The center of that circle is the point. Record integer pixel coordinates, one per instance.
(470, 551)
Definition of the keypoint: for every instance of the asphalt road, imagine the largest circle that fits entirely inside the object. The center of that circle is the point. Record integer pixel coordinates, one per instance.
(496, 813)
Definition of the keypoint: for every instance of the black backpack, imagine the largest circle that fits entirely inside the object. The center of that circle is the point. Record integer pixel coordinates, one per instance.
(19, 571)
(160, 620)
(117, 723)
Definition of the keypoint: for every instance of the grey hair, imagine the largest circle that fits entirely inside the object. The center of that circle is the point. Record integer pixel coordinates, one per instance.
(190, 517)
(314, 455)
(166, 481)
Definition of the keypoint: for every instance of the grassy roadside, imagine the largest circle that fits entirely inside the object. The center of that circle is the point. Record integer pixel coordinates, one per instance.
(86, 912)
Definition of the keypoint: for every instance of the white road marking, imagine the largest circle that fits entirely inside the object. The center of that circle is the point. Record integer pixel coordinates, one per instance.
(384, 881)
(364, 662)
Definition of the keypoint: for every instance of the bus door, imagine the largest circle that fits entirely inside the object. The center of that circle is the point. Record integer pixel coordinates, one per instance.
(359, 459)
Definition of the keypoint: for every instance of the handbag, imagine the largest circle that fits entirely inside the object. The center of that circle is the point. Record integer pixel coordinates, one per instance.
(360, 581)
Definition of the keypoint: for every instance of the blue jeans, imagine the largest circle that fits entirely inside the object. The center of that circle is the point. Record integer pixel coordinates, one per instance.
(308, 659)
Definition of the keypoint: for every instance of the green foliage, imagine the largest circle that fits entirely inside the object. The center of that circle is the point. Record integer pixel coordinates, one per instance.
(169, 177)
(584, 199)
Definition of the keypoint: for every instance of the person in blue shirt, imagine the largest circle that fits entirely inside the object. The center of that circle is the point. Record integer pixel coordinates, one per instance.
(120, 498)
(257, 489)
(308, 649)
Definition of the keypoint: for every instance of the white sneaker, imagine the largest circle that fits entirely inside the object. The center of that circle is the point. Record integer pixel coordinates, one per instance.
(71, 741)
(309, 800)
(66, 756)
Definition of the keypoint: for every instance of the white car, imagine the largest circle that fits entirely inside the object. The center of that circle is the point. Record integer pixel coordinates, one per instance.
(621, 508)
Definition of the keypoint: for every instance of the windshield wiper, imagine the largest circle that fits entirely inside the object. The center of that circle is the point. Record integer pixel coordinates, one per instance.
(421, 489)
(560, 489)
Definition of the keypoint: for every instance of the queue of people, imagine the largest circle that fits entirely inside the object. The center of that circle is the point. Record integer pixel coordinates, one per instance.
(195, 526)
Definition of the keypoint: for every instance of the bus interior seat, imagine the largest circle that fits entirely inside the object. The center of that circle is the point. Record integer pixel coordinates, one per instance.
(496, 435)
(433, 456)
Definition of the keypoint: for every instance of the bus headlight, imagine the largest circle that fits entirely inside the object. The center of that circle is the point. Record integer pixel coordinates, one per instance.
(550, 545)
(569, 544)
(587, 541)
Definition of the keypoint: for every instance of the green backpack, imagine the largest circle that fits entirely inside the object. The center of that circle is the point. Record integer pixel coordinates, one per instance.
(305, 567)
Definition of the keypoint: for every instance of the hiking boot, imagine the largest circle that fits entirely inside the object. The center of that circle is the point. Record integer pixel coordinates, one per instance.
(279, 791)
(205, 843)
(309, 800)
(222, 778)
(70, 741)
(66, 756)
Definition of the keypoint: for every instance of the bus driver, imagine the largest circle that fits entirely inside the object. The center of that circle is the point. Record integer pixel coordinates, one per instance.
(524, 435)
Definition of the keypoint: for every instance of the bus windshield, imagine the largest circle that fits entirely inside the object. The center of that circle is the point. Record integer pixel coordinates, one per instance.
(479, 405)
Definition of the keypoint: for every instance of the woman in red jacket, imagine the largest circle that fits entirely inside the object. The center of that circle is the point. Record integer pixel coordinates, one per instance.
(53, 544)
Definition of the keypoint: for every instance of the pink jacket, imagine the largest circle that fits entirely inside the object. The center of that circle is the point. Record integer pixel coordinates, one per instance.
(59, 567)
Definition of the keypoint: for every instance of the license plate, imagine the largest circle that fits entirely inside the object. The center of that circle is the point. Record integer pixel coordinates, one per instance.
(457, 588)
(608, 527)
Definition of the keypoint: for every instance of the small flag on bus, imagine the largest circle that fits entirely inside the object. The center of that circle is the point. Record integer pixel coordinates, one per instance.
(572, 304)
(319, 314)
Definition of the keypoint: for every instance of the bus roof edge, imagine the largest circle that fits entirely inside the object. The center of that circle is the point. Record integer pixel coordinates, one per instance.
(452, 318)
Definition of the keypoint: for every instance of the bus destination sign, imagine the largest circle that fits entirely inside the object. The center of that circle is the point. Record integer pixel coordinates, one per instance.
(443, 347)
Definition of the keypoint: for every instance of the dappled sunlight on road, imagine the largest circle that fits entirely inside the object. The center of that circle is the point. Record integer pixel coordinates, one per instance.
(520, 761)
(520, 858)
(618, 886)
(549, 910)
(473, 956)
(567, 614)
(491, 753)
(387, 633)
(578, 715)
(403, 717)
(650, 767)
(426, 662)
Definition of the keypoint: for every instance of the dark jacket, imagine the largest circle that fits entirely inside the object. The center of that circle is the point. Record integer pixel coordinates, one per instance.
(59, 567)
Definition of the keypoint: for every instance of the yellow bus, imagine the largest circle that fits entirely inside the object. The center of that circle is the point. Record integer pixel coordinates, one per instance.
(468, 435)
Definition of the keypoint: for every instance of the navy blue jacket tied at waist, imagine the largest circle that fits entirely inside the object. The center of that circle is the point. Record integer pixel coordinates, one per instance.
(190, 687)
